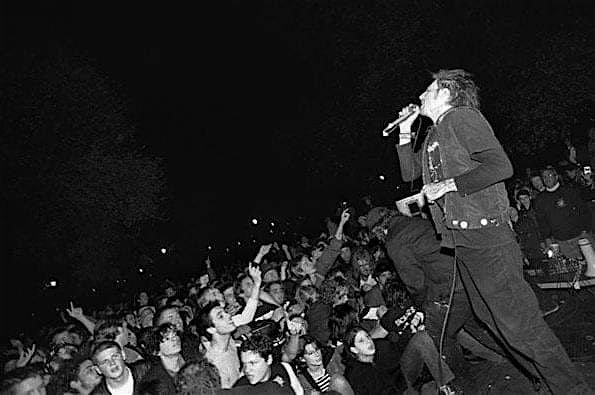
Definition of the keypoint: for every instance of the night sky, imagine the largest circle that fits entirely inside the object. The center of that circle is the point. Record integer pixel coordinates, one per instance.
(274, 108)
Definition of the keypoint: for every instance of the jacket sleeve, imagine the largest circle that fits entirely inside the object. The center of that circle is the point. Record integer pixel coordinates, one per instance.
(328, 257)
(475, 135)
(409, 269)
(409, 161)
(545, 229)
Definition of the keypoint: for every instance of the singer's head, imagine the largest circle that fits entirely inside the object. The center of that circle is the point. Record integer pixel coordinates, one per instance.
(450, 88)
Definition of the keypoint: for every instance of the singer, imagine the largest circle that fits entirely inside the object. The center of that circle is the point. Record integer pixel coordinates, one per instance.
(463, 167)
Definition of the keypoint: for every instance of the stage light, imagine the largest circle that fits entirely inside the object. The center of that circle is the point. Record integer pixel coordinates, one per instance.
(381, 177)
(53, 283)
(164, 251)
(254, 221)
(272, 224)
(140, 270)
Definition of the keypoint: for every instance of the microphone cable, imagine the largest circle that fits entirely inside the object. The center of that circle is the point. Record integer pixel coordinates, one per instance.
(443, 388)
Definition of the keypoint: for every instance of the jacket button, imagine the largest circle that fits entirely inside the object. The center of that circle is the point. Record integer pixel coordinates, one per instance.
(464, 224)
(455, 222)
(483, 222)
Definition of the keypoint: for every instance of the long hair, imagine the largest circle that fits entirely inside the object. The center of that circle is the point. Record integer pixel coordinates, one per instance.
(463, 91)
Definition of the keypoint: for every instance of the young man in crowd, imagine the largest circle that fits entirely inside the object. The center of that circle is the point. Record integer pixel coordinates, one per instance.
(258, 366)
(118, 378)
(216, 326)
(562, 215)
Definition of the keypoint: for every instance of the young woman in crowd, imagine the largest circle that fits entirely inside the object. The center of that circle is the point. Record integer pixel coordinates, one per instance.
(361, 371)
(311, 363)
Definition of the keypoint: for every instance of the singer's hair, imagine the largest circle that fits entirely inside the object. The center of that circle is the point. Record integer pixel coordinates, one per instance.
(463, 91)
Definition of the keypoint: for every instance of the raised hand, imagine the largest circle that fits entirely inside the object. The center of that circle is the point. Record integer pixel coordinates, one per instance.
(264, 249)
(25, 356)
(345, 215)
(75, 312)
(256, 275)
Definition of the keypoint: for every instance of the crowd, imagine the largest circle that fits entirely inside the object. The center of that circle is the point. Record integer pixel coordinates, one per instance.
(328, 314)
(364, 307)
(357, 312)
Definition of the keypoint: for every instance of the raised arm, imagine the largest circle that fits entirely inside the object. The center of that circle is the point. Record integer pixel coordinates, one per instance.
(77, 314)
(332, 251)
(249, 311)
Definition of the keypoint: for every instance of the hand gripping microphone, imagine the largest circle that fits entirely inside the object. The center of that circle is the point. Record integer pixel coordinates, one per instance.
(393, 125)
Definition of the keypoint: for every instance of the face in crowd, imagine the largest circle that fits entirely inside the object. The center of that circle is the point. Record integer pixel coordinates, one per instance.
(537, 183)
(550, 178)
(229, 296)
(173, 317)
(256, 368)
(363, 346)
(87, 377)
(170, 344)
(222, 323)
(110, 363)
(312, 356)
(277, 292)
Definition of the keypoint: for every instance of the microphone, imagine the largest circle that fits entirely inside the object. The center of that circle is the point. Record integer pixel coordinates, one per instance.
(393, 125)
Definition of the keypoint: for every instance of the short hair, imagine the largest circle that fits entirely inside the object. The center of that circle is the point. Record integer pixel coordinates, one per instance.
(203, 320)
(268, 286)
(462, 88)
(108, 330)
(156, 337)
(523, 192)
(102, 346)
(198, 378)
(157, 317)
(548, 168)
(259, 344)
(395, 294)
(15, 377)
(383, 266)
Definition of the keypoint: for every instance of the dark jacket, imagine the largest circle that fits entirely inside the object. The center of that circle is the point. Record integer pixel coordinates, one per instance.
(138, 370)
(368, 378)
(318, 315)
(562, 214)
(412, 245)
(157, 380)
(469, 152)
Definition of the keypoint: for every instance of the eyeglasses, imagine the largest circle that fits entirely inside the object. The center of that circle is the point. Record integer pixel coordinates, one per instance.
(114, 358)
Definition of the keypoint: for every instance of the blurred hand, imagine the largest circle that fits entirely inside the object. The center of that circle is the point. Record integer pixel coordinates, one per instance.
(345, 216)
(25, 356)
(255, 274)
(75, 312)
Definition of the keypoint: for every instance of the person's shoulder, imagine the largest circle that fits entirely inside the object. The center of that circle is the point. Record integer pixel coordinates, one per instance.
(463, 112)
